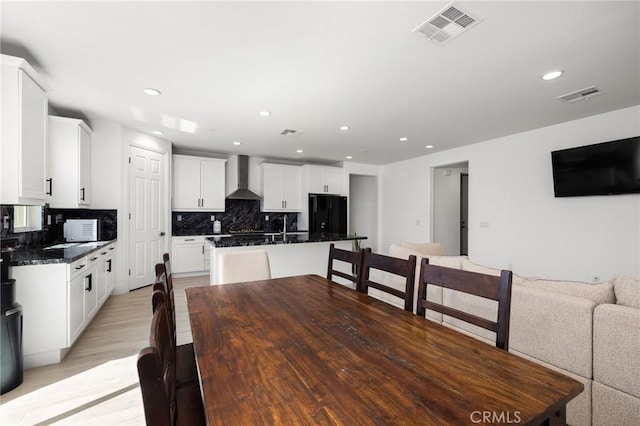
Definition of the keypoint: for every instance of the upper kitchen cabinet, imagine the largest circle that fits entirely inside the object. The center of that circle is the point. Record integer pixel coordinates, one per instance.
(323, 180)
(281, 187)
(69, 163)
(24, 134)
(198, 183)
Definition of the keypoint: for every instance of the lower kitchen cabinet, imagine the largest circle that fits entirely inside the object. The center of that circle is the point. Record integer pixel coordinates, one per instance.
(59, 301)
(189, 254)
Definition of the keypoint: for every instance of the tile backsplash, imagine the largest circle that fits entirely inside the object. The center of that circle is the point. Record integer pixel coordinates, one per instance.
(53, 232)
(238, 214)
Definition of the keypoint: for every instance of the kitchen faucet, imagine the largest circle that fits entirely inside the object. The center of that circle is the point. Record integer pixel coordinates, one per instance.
(284, 225)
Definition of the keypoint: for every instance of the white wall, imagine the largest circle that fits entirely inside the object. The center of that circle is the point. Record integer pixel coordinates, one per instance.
(106, 164)
(511, 190)
(446, 208)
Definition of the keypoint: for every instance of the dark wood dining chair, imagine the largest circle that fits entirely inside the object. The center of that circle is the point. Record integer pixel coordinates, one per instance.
(405, 268)
(340, 257)
(165, 403)
(186, 367)
(474, 283)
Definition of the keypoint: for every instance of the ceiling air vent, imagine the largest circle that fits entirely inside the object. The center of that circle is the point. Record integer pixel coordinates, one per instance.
(290, 132)
(447, 24)
(580, 95)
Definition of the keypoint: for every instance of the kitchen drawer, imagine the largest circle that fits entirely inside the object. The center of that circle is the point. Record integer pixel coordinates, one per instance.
(78, 267)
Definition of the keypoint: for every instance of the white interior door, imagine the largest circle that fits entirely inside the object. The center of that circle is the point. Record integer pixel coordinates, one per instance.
(146, 225)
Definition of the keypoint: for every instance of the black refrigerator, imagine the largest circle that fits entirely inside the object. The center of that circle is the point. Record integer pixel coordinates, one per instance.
(327, 214)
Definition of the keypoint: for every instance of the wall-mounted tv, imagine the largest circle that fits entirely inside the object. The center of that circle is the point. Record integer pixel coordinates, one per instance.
(606, 168)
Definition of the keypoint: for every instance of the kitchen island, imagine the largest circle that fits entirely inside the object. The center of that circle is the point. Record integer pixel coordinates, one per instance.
(293, 253)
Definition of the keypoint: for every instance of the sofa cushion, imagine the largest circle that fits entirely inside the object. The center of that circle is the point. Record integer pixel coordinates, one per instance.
(597, 293)
(429, 249)
(616, 347)
(579, 408)
(627, 291)
(612, 407)
(553, 327)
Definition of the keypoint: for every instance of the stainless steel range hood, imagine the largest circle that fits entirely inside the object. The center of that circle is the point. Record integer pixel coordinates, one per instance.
(243, 192)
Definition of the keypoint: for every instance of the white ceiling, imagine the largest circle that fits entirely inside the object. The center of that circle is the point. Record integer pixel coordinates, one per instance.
(319, 65)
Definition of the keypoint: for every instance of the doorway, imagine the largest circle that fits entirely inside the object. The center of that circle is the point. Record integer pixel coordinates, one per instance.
(464, 214)
(447, 207)
(363, 209)
(147, 233)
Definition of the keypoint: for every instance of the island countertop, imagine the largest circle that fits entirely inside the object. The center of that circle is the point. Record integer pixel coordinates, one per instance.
(273, 239)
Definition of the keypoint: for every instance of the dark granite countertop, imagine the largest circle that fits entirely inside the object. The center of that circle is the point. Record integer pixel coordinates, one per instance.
(271, 239)
(24, 256)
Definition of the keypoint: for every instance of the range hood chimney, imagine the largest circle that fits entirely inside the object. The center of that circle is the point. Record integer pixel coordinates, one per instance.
(243, 192)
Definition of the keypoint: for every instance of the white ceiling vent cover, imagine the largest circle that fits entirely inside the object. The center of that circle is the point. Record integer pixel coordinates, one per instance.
(447, 24)
(580, 95)
(290, 132)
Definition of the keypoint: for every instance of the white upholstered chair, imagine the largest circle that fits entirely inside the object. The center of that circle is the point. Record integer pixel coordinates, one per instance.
(244, 266)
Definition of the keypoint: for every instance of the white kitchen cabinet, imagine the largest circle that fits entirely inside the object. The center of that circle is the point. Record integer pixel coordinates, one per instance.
(188, 254)
(24, 134)
(323, 180)
(59, 301)
(75, 304)
(198, 183)
(106, 274)
(69, 163)
(281, 187)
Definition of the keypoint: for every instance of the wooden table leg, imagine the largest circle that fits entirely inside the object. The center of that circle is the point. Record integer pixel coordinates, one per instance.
(558, 418)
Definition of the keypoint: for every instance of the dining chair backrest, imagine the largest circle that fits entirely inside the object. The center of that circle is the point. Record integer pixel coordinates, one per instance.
(167, 271)
(162, 283)
(156, 372)
(404, 268)
(473, 283)
(244, 266)
(352, 259)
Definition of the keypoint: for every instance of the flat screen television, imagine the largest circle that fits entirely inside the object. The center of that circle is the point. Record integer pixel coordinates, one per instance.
(606, 168)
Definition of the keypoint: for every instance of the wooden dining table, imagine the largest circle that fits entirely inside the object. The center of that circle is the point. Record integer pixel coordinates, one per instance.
(304, 350)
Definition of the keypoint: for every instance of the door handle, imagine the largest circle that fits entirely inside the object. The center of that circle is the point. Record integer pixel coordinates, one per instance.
(82, 191)
(50, 181)
(162, 234)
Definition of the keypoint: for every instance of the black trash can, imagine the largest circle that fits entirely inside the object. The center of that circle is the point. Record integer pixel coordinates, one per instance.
(11, 367)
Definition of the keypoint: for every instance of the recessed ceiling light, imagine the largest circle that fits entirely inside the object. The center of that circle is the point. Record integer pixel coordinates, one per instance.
(429, 146)
(299, 151)
(264, 113)
(552, 75)
(151, 92)
(157, 132)
(344, 128)
(404, 139)
(237, 143)
(348, 157)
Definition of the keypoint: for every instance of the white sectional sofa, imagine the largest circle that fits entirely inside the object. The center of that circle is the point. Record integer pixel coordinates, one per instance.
(590, 332)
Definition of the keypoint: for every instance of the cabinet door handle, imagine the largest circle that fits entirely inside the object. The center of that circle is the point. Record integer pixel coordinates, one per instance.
(82, 192)
(162, 234)
(202, 249)
(88, 280)
(50, 191)
(93, 259)
(109, 265)
(79, 267)
(189, 239)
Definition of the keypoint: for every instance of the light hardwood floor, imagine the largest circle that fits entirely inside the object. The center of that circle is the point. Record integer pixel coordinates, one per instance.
(97, 382)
